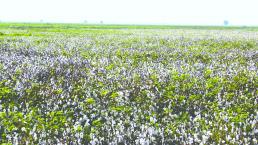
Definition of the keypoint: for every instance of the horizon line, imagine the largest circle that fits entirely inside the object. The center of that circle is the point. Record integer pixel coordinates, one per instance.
(127, 24)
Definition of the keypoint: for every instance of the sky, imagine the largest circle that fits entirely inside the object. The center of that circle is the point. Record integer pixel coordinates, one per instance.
(168, 12)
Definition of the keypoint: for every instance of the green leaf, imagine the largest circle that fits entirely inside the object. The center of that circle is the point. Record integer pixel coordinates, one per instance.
(114, 95)
(104, 92)
(90, 101)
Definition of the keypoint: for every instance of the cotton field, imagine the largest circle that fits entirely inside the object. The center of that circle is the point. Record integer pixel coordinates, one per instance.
(101, 85)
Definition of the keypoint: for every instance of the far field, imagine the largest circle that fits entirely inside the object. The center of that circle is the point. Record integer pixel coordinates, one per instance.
(128, 84)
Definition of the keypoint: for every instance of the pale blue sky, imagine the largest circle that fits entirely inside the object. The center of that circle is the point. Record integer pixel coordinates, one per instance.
(185, 12)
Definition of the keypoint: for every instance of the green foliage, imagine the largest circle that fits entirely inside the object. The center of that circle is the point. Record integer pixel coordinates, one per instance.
(90, 101)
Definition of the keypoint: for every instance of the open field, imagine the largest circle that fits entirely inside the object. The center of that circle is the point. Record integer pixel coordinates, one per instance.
(119, 84)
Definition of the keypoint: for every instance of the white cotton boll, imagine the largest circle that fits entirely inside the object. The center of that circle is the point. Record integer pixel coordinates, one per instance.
(204, 138)
(153, 119)
(223, 141)
(35, 136)
(74, 103)
(113, 122)
(120, 93)
(23, 129)
(56, 132)
(237, 137)
(43, 135)
(137, 141)
(15, 108)
(81, 135)
(80, 120)
(77, 135)
(85, 117)
(209, 133)
(226, 129)
(226, 119)
(191, 140)
(233, 140)
(93, 142)
(142, 141)
(228, 137)
(245, 140)
(255, 131)
(92, 115)
(195, 136)
(120, 138)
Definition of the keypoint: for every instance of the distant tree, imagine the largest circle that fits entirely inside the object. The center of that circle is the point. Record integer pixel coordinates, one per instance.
(85, 21)
(226, 22)
(41, 21)
(101, 22)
